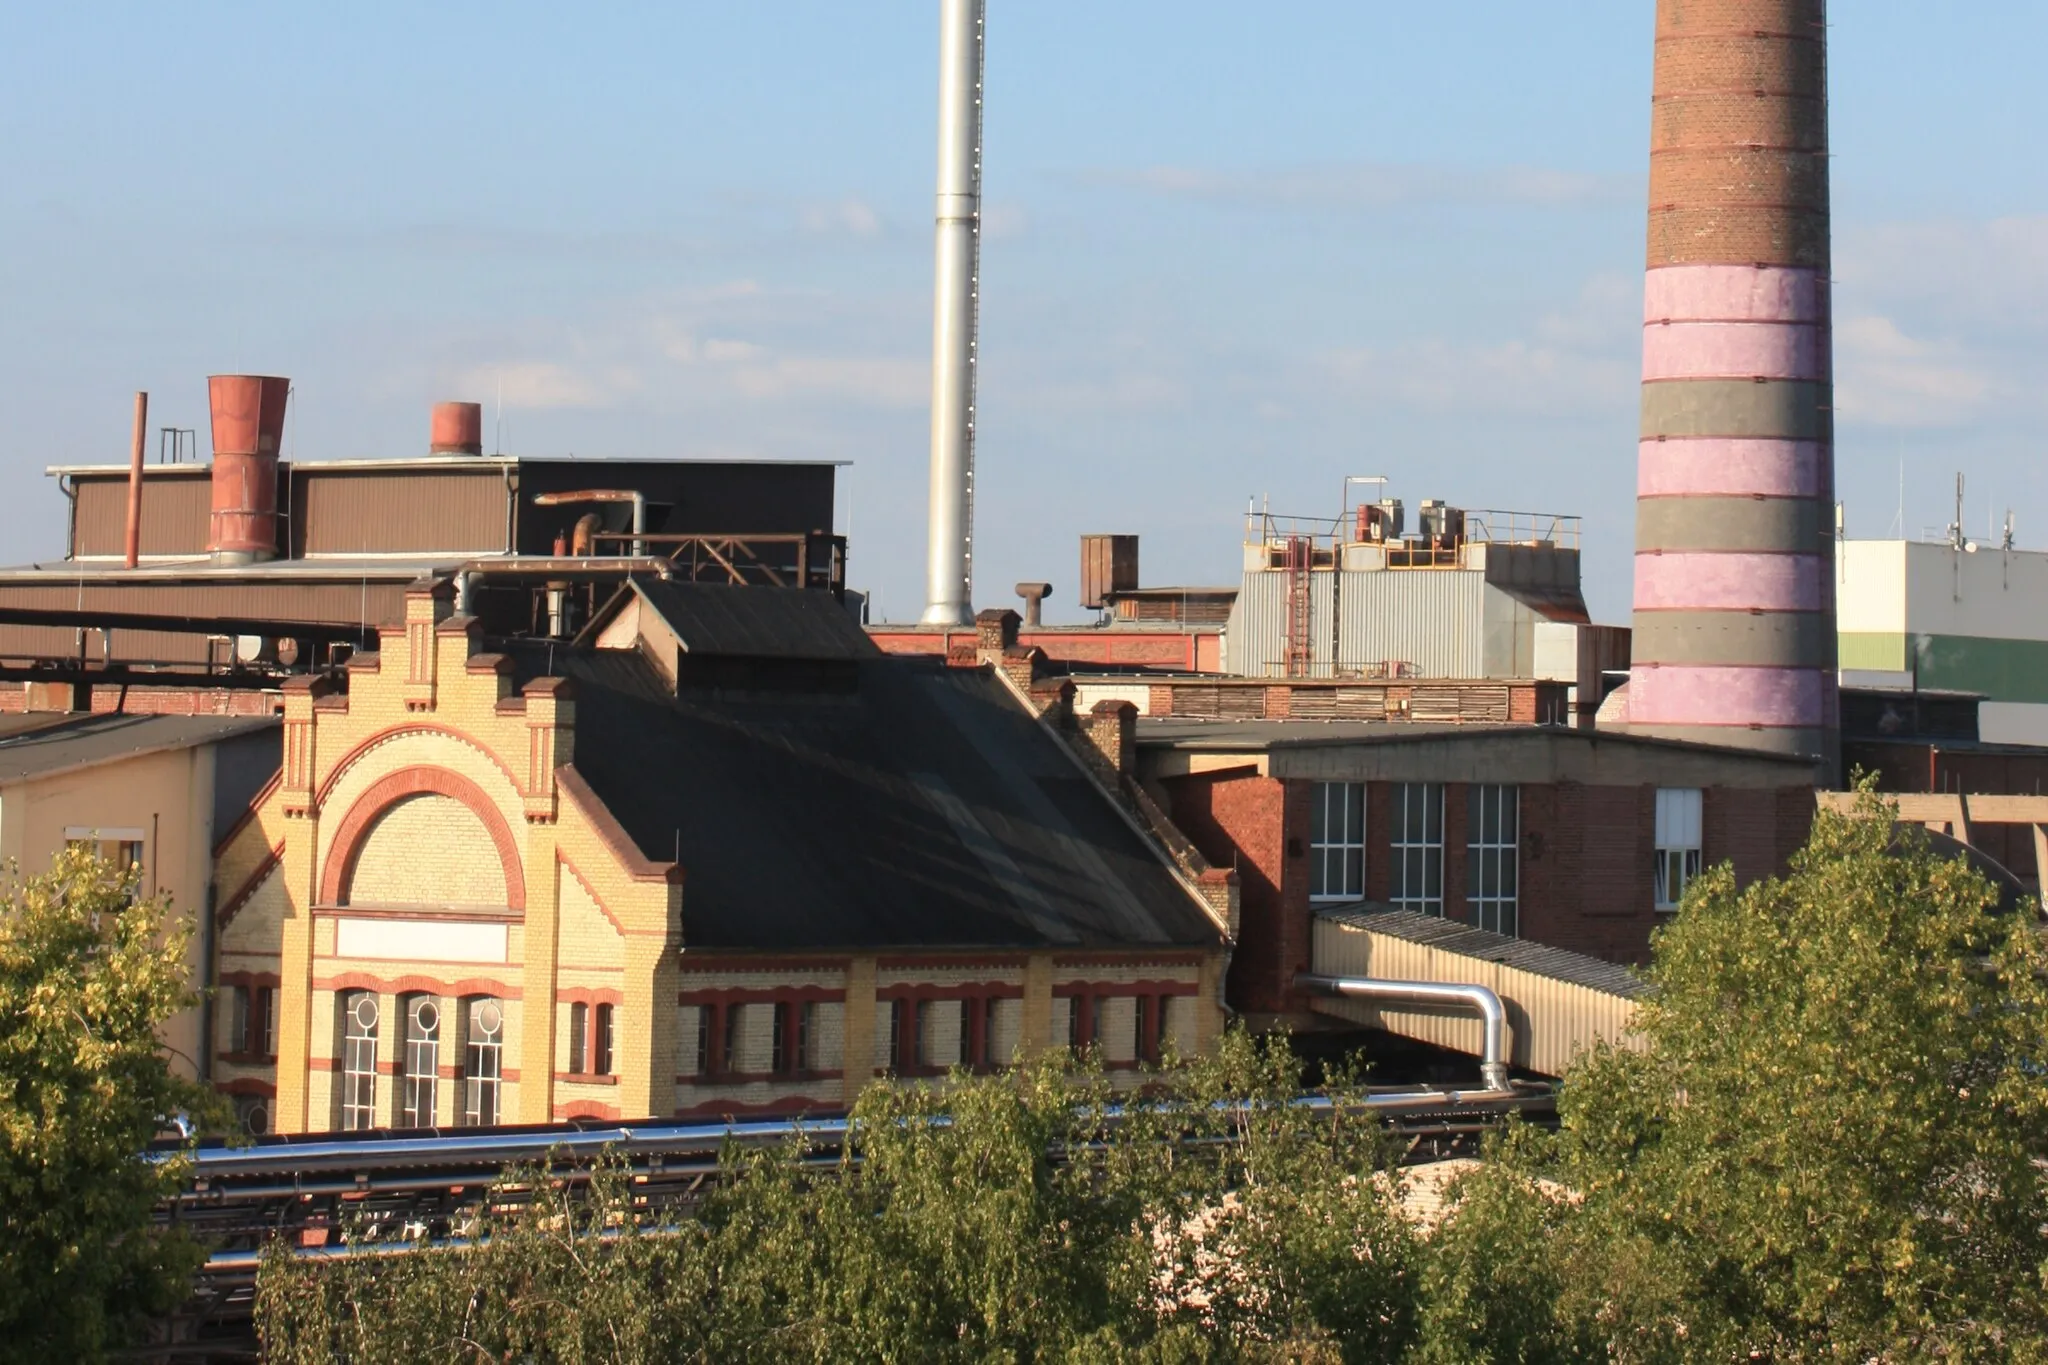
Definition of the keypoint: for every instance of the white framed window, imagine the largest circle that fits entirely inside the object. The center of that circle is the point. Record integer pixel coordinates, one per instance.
(264, 1030)
(359, 1061)
(421, 1084)
(1415, 847)
(1680, 820)
(1336, 841)
(238, 1019)
(483, 1061)
(1492, 847)
(602, 1022)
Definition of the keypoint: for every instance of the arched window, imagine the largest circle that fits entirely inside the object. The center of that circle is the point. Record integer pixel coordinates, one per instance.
(422, 1061)
(358, 1060)
(482, 1061)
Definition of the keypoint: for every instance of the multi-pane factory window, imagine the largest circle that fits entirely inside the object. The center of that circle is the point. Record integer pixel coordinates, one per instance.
(603, 1021)
(1336, 841)
(696, 1031)
(263, 1028)
(238, 1019)
(1493, 835)
(782, 1044)
(422, 1061)
(1415, 847)
(807, 1036)
(252, 1020)
(358, 1060)
(483, 1062)
(1679, 820)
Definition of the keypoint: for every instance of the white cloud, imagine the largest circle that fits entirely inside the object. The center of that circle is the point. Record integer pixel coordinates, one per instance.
(849, 217)
(540, 384)
(1885, 376)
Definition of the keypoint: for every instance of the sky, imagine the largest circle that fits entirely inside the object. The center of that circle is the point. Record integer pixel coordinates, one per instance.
(1231, 252)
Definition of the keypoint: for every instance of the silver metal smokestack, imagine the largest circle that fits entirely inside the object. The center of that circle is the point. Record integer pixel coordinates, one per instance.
(949, 571)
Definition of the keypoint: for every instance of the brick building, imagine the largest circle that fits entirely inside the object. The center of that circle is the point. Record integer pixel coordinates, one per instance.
(1566, 837)
(719, 856)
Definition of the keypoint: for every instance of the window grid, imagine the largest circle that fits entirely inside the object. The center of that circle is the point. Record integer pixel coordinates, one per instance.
(1493, 835)
(1677, 858)
(1336, 841)
(779, 1043)
(359, 1062)
(483, 1057)
(422, 1061)
(703, 1039)
(807, 1036)
(266, 1019)
(238, 1019)
(579, 1039)
(1416, 847)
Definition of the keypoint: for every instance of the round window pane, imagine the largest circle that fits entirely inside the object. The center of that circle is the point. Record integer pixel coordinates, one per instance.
(427, 1015)
(488, 1016)
(364, 1011)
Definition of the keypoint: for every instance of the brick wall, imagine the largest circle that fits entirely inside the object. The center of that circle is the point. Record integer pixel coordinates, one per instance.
(1244, 821)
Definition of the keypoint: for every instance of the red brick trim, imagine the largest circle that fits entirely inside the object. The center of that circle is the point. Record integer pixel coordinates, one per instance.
(585, 1078)
(264, 793)
(423, 985)
(416, 913)
(586, 995)
(587, 1109)
(348, 760)
(590, 891)
(638, 865)
(249, 888)
(1069, 989)
(951, 990)
(896, 962)
(246, 1085)
(1081, 961)
(758, 995)
(393, 787)
(250, 980)
(711, 960)
(792, 1106)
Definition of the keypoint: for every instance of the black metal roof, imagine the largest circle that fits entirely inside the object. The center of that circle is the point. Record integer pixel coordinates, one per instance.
(893, 802)
(81, 741)
(716, 620)
(1434, 931)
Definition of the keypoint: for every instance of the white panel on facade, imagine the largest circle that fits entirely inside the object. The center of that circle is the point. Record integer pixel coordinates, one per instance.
(421, 940)
(1006, 1031)
(1087, 696)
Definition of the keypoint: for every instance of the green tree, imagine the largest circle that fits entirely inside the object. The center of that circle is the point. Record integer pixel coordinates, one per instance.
(88, 975)
(1830, 1146)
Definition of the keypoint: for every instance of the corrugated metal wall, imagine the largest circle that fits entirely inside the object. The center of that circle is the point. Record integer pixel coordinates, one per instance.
(1549, 1021)
(1433, 619)
(1256, 635)
(400, 511)
(175, 511)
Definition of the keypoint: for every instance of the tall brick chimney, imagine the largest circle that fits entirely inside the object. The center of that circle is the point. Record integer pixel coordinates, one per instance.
(1734, 585)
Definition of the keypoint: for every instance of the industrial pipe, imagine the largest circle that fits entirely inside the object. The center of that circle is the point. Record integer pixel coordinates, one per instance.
(632, 495)
(598, 566)
(949, 572)
(1493, 1018)
(135, 480)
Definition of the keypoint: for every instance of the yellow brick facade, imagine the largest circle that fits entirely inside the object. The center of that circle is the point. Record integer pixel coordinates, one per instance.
(428, 838)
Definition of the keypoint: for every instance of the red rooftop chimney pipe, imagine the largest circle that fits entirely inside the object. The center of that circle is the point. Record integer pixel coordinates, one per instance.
(248, 427)
(458, 429)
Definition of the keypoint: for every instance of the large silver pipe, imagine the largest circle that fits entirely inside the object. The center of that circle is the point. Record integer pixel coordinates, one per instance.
(1493, 1019)
(949, 569)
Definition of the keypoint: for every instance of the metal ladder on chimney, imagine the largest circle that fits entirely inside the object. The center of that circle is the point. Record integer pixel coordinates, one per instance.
(1300, 554)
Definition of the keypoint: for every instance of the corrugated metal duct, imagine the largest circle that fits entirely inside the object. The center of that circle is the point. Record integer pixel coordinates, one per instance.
(1432, 619)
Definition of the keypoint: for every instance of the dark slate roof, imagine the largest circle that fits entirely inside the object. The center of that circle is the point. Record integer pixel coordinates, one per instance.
(84, 740)
(891, 802)
(1452, 937)
(1260, 736)
(717, 621)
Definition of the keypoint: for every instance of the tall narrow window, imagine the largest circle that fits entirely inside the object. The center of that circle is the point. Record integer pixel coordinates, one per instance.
(579, 1039)
(697, 1020)
(782, 1045)
(991, 1057)
(927, 1023)
(601, 1040)
(422, 1061)
(238, 1019)
(265, 1029)
(483, 1062)
(1416, 847)
(358, 1061)
(896, 1013)
(1679, 820)
(1336, 841)
(1493, 841)
(807, 1036)
(730, 1019)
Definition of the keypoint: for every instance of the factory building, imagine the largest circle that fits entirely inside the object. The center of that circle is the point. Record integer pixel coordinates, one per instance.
(1578, 840)
(720, 855)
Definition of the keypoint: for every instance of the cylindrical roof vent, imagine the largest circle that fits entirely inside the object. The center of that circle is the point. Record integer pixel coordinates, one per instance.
(458, 429)
(248, 427)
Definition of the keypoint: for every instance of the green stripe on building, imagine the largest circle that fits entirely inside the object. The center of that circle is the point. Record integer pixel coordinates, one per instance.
(2001, 670)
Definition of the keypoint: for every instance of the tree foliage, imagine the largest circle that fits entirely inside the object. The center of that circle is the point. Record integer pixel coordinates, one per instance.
(88, 975)
(1828, 1147)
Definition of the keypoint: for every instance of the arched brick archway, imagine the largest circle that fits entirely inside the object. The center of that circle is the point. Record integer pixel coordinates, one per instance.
(396, 786)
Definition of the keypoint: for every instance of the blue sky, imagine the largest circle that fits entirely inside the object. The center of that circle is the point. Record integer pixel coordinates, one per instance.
(1232, 251)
